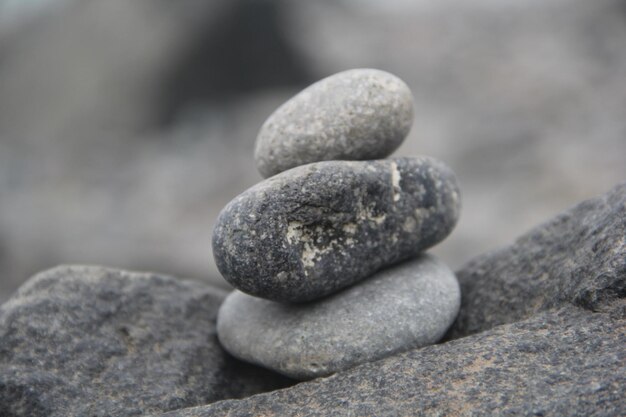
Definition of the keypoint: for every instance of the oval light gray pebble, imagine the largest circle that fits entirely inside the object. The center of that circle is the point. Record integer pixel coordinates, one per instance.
(358, 114)
(406, 306)
(315, 229)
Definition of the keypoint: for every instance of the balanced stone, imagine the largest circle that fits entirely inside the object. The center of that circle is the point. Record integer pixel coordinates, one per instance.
(403, 307)
(358, 114)
(315, 229)
(544, 336)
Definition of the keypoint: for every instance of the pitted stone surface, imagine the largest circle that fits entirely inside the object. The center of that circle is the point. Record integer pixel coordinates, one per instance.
(315, 229)
(403, 307)
(357, 114)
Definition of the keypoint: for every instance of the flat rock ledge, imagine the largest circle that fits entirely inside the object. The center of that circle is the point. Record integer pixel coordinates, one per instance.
(562, 362)
(541, 332)
(91, 341)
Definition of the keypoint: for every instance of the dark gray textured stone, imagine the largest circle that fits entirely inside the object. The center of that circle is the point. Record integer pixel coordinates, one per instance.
(402, 307)
(578, 257)
(90, 341)
(567, 362)
(563, 286)
(353, 115)
(315, 229)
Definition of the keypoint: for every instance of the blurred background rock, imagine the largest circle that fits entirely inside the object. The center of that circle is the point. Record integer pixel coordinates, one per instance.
(125, 126)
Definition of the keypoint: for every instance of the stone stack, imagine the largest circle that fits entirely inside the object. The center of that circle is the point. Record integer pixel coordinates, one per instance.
(327, 252)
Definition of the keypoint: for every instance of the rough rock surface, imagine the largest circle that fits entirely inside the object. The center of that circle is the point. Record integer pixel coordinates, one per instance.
(315, 229)
(90, 341)
(402, 307)
(354, 115)
(567, 358)
(565, 362)
(578, 257)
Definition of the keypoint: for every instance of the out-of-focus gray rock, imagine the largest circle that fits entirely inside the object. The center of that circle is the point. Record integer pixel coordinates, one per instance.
(579, 258)
(317, 228)
(406, 306)
(562, 285)
(134, 66)
(523, 99)
(353, 115)
(90, 341)
(108, 108)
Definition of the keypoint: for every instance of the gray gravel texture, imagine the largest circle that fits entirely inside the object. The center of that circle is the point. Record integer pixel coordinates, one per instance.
(315, 229)
(90, 341)
(406, 306)
(357, 114)
(561, 288)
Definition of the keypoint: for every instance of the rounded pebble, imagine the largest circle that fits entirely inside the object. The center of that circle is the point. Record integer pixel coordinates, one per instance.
(358, 114)
(407, 306)
(312, 230)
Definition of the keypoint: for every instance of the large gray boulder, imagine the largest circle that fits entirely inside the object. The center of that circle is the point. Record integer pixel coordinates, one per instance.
(578, 257)
(560, 289)
(90, 341)
(563, 362)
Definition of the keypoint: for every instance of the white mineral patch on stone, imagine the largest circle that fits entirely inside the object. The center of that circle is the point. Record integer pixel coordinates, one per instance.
(365, 214)
(377, 219)
(312, 249)
(309, 253)
(395, 181)
(349, 228)
(422, 213)
(294, 232)
(409, 225)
